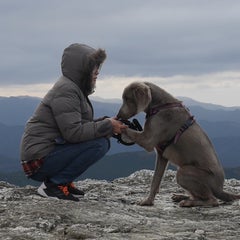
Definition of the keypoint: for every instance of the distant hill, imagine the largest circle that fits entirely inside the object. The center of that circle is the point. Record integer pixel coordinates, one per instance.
(187, 101)
(17, 110)
(210, 106)
(222, 124)
(110, 168)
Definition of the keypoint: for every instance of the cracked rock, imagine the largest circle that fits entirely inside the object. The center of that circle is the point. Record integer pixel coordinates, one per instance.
(109, 211)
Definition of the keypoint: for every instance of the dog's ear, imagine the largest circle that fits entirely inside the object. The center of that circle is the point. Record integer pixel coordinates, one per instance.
(142, 95)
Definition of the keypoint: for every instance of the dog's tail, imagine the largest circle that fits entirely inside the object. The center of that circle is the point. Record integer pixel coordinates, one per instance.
(226, 197)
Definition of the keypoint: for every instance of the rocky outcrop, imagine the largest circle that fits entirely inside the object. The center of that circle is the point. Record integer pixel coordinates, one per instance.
(109, 211)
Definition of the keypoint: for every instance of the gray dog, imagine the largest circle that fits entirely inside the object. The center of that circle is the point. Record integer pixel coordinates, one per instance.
(177, 138)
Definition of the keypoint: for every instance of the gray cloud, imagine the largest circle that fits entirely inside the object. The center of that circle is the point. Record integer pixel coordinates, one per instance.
(147, 38)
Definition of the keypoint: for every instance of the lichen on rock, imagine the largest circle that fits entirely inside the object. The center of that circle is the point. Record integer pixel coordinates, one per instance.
(109, 211)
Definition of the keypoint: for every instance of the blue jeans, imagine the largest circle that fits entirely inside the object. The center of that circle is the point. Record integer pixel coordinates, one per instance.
(69, 161)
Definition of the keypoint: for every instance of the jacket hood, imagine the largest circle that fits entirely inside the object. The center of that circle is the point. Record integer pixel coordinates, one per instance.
(78, 62)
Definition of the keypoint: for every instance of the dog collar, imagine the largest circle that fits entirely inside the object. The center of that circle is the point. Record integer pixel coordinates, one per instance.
(154, 110)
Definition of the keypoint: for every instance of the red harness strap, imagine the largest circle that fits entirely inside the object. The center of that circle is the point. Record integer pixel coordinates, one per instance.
(152, 111)
(161, 147)
(183, 128)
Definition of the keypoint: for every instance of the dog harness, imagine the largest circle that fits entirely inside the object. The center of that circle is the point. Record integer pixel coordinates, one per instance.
(154, 110)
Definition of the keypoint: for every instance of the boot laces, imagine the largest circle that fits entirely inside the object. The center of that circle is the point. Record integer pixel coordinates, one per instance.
(71, 185)
(64, 189)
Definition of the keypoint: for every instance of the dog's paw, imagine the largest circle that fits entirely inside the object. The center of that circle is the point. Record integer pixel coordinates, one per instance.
(148, 149)
(126, 138)
(146, 202)
(179, 197)
(197, 203)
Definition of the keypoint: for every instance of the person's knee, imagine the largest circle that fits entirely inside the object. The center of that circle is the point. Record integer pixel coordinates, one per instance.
(103, 145)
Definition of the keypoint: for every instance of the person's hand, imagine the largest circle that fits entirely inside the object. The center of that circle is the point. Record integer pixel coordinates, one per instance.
(118, 126)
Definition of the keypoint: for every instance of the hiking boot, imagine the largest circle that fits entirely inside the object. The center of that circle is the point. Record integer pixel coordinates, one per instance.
(48, 189)
(74, 191)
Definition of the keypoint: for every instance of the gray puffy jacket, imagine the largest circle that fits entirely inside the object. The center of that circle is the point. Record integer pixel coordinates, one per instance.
(66, 112)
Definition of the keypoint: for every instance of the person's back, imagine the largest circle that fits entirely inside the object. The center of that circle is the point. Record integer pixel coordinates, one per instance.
(61, 140)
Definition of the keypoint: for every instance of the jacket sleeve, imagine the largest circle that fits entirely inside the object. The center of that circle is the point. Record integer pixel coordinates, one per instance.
(68, 113)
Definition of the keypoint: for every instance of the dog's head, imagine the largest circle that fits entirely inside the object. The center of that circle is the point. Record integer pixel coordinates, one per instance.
(136, 98)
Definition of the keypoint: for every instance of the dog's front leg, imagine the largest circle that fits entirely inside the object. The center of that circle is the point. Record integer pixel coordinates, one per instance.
(161, 164)
(143, 138)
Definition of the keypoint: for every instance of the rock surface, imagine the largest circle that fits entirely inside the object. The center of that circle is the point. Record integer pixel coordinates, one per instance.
(109, 211)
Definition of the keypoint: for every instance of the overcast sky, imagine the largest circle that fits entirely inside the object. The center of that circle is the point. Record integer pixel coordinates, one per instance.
(190, 48)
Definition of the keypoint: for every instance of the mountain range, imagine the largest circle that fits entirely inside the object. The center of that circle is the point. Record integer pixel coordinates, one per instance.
(222, 125)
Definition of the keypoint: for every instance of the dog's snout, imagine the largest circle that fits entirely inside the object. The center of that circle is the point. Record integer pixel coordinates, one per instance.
(121, 115)
(124, 113)
(118, 115)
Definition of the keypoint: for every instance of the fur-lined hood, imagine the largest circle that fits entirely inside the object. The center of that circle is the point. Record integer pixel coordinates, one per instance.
(78, 62)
